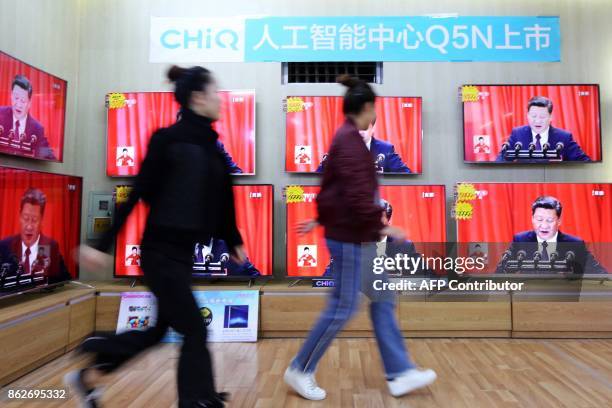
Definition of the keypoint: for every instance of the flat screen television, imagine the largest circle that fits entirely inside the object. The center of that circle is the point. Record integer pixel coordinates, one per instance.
(418, 210)
(502, 217)
(132, 117)
(40, 224)
(531, 123)
(395, 138)
(254, 217)
(32, 111)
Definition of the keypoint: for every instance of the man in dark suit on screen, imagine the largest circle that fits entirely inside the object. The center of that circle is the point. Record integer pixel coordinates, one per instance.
(386, 160)
(217, 252)
(389, 248)
(18, 127)
(30, 251)
(540, 132)
(546, 239)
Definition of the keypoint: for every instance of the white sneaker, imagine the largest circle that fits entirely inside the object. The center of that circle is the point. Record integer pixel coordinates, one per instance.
(410, 381)
(304, 384)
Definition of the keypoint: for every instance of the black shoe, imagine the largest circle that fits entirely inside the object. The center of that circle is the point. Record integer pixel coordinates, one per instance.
(218, 401)
(87, 397)
(89, 344)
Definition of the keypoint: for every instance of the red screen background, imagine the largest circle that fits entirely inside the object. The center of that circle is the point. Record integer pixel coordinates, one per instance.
(62, 217)
(315, 126)
(254, 217)
(145, 112)
(423, 220)
(48, 98)
(505, 210)
(505, 107)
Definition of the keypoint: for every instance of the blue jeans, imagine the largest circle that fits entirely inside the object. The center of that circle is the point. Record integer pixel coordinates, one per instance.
(350, 274)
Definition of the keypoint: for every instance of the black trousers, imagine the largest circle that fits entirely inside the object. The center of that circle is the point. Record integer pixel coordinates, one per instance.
(169, 278)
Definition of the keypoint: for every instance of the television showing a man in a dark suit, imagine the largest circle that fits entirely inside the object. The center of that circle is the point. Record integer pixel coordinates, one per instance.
(20, 133)
(31, 257)
(389, 248)
(548, 242)
(385, 158)
(212, 258)
(540, 133)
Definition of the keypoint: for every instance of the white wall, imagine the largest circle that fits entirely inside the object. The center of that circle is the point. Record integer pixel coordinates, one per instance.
(112, 53)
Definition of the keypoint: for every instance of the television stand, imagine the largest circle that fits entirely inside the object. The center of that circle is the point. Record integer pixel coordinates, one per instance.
(295, 282)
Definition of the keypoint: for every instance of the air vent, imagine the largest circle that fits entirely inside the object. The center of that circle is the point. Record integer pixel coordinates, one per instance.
(327, 72)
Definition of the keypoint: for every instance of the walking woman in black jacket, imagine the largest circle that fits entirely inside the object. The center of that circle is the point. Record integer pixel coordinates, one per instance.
(186, 183)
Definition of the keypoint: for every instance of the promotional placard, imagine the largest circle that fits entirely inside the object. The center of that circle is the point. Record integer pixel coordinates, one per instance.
(229, 316)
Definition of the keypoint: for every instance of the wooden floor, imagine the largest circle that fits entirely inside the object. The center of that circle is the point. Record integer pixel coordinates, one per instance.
(471, 373)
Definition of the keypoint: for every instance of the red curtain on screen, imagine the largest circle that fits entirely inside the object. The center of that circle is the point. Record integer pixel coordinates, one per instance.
(502, 108)
(419, 210)
(62, 216)
(254, 218)
(130, 236)
(505, 210)
(48, 99)
(314, 240)
(315, 123)
(144, 112)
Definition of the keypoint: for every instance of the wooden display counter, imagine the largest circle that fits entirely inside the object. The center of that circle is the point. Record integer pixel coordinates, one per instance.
(292, 311)
(539, 310)
(456, 314)
(563, 309)
(37, 327)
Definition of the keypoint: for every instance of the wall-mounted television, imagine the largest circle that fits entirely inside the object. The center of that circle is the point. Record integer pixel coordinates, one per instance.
(132, 117)
(570, 217)
(418, 210)
(254, 217)
(531, 123)
(32, 111)
(394, 139)
(40, 223)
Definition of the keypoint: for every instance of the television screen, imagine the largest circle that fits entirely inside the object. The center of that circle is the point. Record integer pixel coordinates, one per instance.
(531, 123)
(32, 111)
(418, 210)
(132, 117)
(254, 207)
(40, 222)
(509, 216)
(394, 139)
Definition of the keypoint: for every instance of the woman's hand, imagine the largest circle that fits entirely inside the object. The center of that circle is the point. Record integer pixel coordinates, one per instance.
(396, 233)
(239, 254)
(92, 259)
(305, 227)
